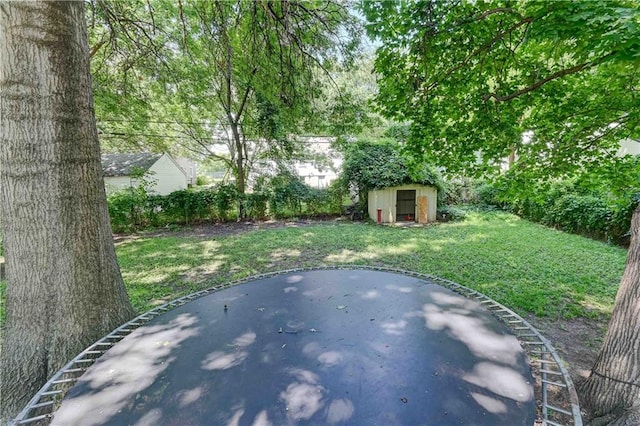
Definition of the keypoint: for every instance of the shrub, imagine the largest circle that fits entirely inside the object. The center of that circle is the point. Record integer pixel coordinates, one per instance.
(127, 208)
(567, 205)
(255, 204)
(202, 180)
(225, 199)
(582, 214)
(287, 193)
(450, 213)
(317, 201)
(460, 191)
(488, 194)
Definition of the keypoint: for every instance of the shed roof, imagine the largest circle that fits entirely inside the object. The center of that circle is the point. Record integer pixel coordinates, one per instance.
(125, 164)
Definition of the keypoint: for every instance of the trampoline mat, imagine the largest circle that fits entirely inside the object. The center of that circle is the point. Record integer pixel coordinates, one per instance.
(324, 347)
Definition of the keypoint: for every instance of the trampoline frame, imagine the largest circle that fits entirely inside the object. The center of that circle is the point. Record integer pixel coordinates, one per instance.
(547, 366)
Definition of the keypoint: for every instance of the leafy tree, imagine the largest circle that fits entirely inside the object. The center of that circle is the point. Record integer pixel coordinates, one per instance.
(553, 86)
(345, 111)
(473, 77)
(238, 74)
(64, 288)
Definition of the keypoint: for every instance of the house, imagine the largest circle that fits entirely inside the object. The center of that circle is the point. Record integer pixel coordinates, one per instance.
(319, 174)
(406, 203)
(190, 169)
(162, 171)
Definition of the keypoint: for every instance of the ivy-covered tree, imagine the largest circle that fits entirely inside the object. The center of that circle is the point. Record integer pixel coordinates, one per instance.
(370, 165)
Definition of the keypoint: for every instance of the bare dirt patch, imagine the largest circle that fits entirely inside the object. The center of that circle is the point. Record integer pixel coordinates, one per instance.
(212, 230)
(577, 341)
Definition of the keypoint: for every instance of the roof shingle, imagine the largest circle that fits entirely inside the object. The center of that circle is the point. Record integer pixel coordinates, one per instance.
(125, 164)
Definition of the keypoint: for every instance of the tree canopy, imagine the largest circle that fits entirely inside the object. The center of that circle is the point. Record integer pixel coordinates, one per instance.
(230, 80)
(554, 85)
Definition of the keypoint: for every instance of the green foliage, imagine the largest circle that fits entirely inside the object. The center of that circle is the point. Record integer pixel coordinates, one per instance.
(375, 165)
(225, 200)
(569, 205)
(530, 268)
(551, 83)
(580, 214)
(460, 191)
(241, 76)
(287, 193)
(202, 180)
(450, 214)
(128, 209)
(282, 196)
(255, 204)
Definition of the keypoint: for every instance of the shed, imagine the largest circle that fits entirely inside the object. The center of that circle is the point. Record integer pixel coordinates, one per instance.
(122, 171)
(406, 203)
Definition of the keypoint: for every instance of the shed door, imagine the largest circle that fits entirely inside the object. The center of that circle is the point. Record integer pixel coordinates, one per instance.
(406, 205)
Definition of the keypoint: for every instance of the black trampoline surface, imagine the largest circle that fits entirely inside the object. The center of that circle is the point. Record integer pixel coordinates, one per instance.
(325, 347)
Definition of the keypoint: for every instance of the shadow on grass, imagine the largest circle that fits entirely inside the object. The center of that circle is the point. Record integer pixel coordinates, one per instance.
(530, 268)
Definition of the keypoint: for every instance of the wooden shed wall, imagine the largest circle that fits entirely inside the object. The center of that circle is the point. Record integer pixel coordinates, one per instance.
(385, 199)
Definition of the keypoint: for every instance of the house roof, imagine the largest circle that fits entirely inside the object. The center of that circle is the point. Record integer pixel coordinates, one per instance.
(125, 164)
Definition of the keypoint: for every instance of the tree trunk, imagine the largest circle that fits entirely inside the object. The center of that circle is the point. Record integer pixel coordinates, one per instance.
(64, 288)
(614, 383)
(240, 169)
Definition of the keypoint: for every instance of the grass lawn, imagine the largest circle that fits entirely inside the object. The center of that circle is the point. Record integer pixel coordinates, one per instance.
(527, 267)
(565, 284)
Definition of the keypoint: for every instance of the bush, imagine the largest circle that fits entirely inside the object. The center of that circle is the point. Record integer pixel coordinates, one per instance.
(568, 206)
(127, 209)
(450, 214)
(202, 180)
(581, 214)
(283, 196)
(488, 194)
(287, 193)
(255, 204)
(317, 201)
(225, 200)
(460, 191)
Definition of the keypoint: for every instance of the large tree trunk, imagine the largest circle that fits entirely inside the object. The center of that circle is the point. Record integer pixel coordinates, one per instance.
(64, 286)
(614, 383)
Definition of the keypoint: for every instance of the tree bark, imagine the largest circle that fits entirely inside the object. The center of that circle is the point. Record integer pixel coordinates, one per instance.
(614, 383)
(239, 165)
(64, 288)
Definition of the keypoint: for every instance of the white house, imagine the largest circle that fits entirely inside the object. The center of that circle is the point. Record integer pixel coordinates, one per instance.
(319, 174)
(161, 170)
(190, 169)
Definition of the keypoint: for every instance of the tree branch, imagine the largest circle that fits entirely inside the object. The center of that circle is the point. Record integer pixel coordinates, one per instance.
(247, 92)
(96, 47)
(485, 47)
(554, 76)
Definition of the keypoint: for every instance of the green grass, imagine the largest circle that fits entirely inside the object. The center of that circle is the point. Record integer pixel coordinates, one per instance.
(527, 267)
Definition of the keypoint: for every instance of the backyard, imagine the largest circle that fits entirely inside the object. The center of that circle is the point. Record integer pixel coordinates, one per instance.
(564, 284)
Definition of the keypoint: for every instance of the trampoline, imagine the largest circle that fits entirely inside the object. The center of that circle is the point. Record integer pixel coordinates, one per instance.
(310, 347)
